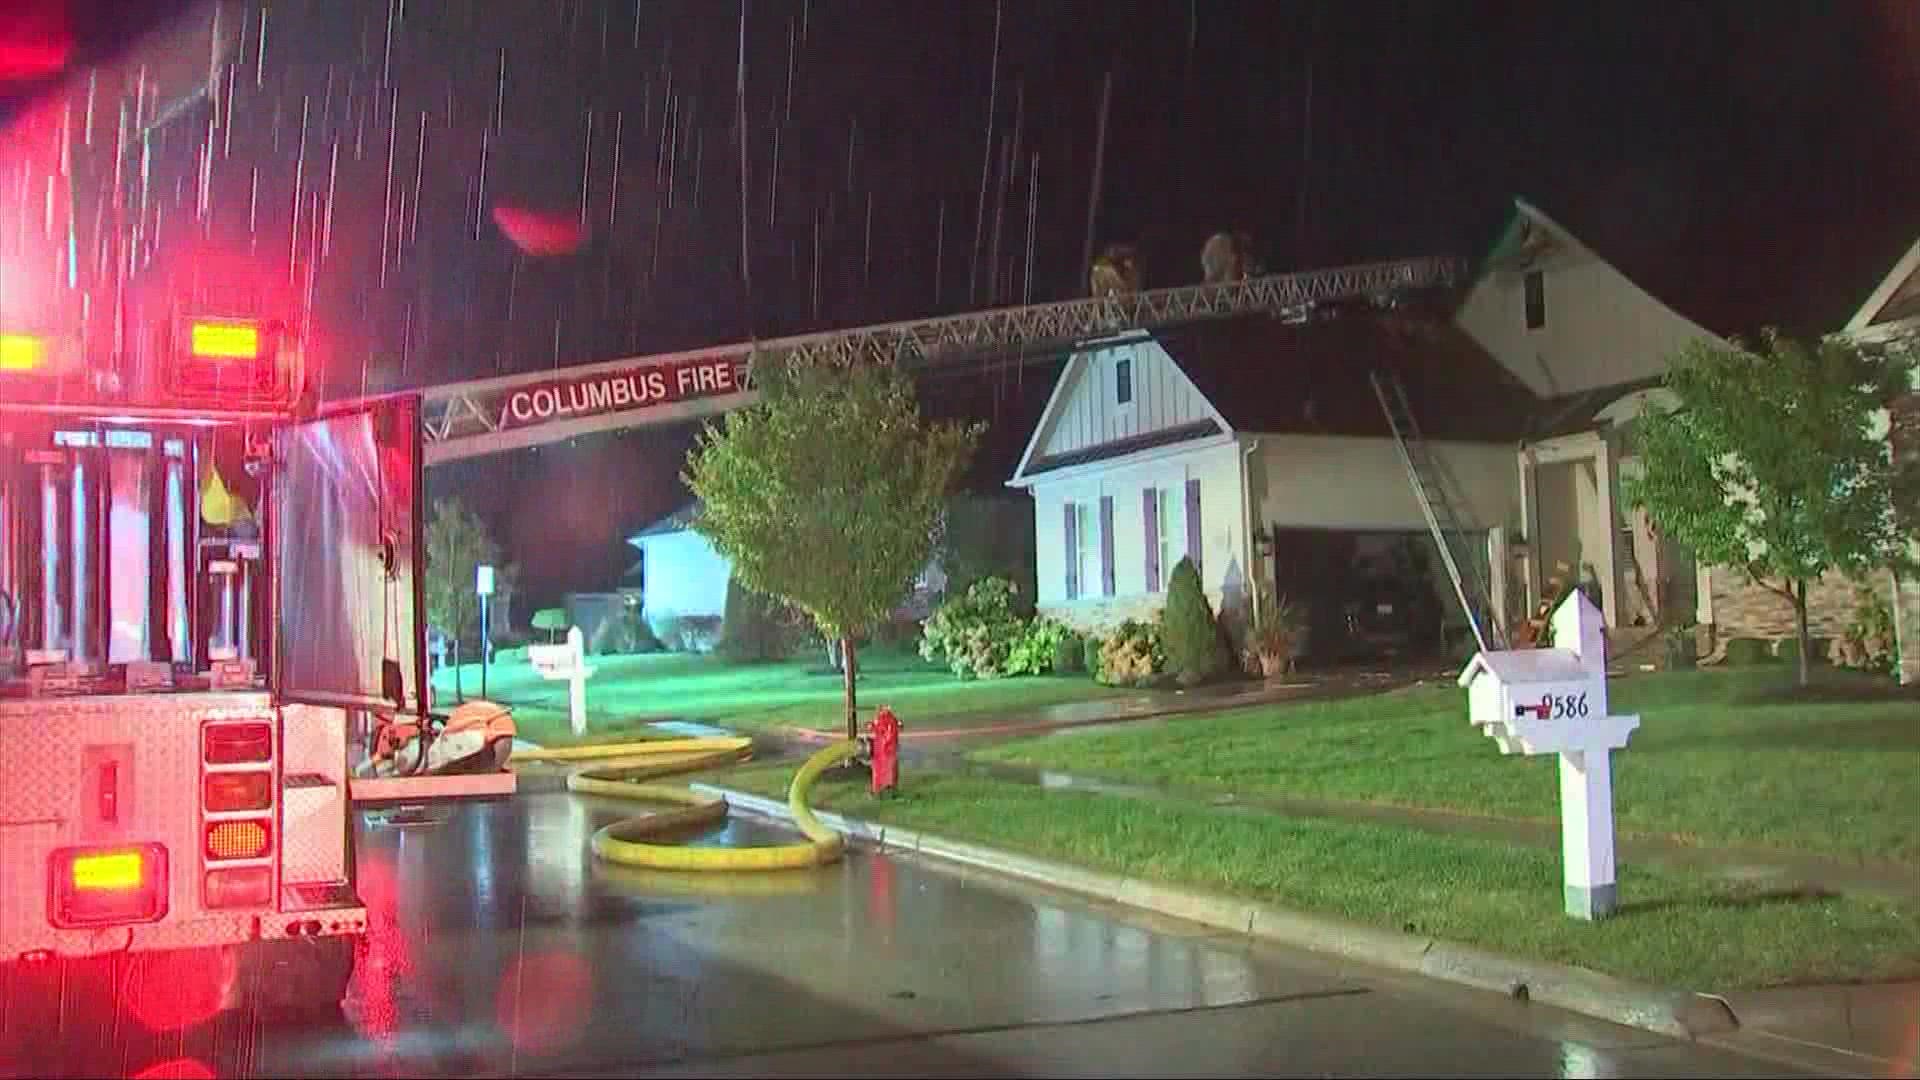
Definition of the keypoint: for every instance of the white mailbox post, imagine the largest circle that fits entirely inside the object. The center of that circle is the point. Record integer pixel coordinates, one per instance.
(566, 661)
(1554, 701)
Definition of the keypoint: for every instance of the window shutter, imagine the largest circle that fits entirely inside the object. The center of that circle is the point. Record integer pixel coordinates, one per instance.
(1151, 505)
(1073, 553)
(1106, 545)
(1193, 522)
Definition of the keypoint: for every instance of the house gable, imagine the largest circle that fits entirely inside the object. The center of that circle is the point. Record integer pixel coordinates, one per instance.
(1579, 325)
(1087, 420)
(1896, 299)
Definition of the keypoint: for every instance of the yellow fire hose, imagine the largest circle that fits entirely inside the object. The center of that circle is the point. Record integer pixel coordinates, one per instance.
(624, 772)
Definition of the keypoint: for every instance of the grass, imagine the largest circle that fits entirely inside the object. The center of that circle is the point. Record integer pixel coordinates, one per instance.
(1673, 929)
(628, 692)
(1734, 759)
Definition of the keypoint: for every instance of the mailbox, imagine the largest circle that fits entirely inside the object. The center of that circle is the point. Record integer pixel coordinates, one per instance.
(566, 662)
(1554, 701)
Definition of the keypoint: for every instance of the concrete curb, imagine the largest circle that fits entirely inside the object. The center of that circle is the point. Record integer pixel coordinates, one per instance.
(1674, 1013)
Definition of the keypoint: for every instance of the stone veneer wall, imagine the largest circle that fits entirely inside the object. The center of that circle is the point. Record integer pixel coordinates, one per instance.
(1742, 609)
(1101, 615)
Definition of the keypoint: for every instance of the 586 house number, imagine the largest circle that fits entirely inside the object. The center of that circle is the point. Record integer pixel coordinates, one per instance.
(1557, 707)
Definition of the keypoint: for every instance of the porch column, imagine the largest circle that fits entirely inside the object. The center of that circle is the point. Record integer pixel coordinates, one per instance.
(1497, 560)
(1530, 525)
(1606, 561)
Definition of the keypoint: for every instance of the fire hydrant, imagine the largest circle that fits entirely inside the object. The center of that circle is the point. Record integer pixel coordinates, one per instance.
(883, 751)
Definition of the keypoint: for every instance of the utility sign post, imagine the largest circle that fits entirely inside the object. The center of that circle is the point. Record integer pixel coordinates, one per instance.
(483, 587)
(1554, 701)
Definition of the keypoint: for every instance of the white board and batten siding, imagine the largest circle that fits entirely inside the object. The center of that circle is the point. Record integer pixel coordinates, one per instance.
(1117, 496)
(1090, 414)
(1597, 328)
(1339, 482)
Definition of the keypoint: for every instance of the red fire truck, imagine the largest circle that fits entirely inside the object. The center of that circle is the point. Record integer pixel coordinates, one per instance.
(206, 580)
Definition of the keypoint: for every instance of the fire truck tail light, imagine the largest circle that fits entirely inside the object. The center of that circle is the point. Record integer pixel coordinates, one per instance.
(235, 744)
(230, 791)
(106, 886)
(22, 352)
(242, 886)
(224, 341)
(237, 839)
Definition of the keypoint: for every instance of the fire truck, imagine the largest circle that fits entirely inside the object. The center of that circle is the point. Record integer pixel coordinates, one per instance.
(208, 580)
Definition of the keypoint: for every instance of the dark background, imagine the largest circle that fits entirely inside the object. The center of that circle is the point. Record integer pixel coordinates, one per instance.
(1743, 151)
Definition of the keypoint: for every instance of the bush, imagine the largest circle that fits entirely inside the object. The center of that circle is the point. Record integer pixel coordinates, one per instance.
(1789, 650)
(1196, 649)
(1070, 654)
(1090, 658)
(1134, 655)
(1868, 644)
(1746, 652)
(1038, 648)
(975, 634)
(754, 627)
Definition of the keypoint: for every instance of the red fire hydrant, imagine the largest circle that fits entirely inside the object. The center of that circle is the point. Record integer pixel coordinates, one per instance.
(883, 750)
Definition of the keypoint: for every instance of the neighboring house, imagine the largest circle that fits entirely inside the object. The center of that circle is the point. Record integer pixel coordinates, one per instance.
(1255, 446)
(1585, 333)
(681, 575)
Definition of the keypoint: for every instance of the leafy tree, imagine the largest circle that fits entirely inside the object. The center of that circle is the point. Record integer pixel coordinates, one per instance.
(458, 543)
(1772, 462)
(754, 628)
(826, 492)
(1195, 648)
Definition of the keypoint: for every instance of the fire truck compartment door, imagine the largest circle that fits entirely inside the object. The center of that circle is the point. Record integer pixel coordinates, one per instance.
(347, 550)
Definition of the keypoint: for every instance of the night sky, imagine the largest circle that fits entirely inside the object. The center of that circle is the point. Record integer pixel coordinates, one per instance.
(1750, 153)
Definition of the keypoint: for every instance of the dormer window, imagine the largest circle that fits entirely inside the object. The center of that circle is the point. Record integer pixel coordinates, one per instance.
(1536, 285)
(1123, 381)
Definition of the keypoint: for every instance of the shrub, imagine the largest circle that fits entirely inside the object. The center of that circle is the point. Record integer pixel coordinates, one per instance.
(754, 627)
(1868, 644)
(1278, 635)
(1746, 652)
(1038, 647)
(1196, 651)
(975, 633)
(1090, 655)
(1070, 654)
(1133, 655)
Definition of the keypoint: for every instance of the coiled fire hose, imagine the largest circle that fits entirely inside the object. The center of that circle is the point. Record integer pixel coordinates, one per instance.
(626, 771)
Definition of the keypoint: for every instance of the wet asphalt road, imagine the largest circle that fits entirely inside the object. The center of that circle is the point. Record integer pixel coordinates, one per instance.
(501, 949)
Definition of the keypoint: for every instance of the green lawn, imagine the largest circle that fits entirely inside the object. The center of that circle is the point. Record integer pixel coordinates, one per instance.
(1673, 929)
(627, 692)
(1721, 757)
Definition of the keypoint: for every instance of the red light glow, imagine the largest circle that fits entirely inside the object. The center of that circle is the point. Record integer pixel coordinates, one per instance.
(173, 991)
(540, 232)
(176, 1069)
(544, 1000)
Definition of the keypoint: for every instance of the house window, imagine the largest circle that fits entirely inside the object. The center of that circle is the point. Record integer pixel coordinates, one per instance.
(1123, 381)
(1536, 283)
(1079, 554)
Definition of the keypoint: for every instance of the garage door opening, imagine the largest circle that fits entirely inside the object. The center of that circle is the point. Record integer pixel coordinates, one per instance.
(1370, 597)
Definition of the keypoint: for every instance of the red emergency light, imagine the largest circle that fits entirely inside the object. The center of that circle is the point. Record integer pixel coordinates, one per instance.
(232, 361)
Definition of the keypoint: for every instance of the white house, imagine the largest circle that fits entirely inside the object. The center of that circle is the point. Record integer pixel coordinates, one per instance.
(1225, 440)
(680, 572)
(1594, 342)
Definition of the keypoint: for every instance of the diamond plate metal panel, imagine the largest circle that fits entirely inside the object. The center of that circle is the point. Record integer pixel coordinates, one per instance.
(313, 816)
(42, 744)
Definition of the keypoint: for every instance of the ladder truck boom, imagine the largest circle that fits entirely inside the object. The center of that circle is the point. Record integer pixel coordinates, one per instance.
(486, 416)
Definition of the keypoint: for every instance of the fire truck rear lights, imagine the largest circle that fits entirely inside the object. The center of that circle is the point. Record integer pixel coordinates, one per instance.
(237, 840)
(224, 341)
(227, 792)
(240, 886)
(107, 886)
(236, 744)
(22, 352)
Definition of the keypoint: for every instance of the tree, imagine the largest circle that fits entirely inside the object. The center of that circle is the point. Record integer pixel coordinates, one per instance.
(1195, 649)
(1771, 462)
(457, 544)
(826, 493)
(754, 627)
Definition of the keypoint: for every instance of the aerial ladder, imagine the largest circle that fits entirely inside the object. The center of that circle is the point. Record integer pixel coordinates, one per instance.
(486, 416)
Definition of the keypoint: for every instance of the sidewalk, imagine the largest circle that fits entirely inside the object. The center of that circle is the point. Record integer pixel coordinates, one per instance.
(1146, 705)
